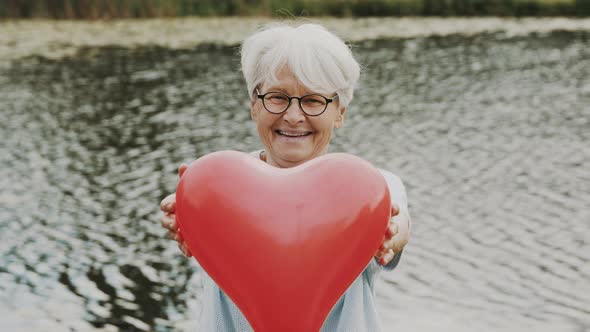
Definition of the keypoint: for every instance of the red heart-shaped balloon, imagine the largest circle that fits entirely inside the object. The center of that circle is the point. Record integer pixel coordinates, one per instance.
(284, 244)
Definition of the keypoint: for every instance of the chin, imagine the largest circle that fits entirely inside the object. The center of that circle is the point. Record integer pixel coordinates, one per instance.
(296, 157)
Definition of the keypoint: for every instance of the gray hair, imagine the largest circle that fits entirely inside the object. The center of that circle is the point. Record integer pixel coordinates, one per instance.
(317, 58)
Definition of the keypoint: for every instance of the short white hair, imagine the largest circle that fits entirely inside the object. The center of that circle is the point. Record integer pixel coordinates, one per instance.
(320, 60)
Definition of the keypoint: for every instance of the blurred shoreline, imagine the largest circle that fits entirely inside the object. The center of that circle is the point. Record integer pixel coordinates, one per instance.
(74, 9)
(58, 39)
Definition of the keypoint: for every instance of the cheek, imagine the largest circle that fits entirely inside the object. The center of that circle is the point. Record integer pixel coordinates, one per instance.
(324, 131)
(326, 126)
(264, 124)
(258, 116)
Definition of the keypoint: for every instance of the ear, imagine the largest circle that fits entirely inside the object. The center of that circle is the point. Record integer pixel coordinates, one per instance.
(340, 118)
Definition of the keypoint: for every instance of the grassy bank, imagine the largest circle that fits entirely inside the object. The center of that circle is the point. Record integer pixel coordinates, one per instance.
(104, 9)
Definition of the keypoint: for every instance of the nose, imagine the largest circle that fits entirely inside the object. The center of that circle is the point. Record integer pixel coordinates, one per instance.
(294, 114)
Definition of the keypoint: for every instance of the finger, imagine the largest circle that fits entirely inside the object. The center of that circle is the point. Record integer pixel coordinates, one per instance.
(383, 240)
(172, 235)
(391, 231)
(182, 249)
(168, 221)
(381, 253)
(397, 243)
(387, 257)
(394, 209)
(187, 251)
(164, 203)
(382, 250)
(181, 169)
(389, 244)
(178, 238)
(168, 203)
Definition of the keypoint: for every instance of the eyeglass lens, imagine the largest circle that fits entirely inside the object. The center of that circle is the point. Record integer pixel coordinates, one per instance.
(276, 102)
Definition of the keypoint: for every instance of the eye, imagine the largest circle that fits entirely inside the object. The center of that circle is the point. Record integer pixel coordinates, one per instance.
(276, 97)
(314, 100)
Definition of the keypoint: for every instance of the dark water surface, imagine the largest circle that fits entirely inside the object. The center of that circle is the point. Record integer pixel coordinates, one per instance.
(490, 134)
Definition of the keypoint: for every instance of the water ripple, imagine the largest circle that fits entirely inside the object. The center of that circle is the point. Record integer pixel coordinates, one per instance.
(489, 132)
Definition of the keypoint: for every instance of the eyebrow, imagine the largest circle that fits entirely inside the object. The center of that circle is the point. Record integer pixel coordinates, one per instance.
(279, 89)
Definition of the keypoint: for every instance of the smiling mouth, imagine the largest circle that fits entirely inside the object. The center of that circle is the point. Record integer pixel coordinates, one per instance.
(293, 133)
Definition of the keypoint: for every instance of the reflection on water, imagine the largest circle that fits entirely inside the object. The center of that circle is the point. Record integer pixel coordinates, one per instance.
(490, 134)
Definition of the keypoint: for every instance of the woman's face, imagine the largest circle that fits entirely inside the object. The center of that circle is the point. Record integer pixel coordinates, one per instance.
(292, 137)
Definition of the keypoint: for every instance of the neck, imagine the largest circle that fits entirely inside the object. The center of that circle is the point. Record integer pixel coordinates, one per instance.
(267, 158)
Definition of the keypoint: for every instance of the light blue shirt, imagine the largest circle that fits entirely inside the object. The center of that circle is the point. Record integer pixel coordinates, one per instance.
(355, 311)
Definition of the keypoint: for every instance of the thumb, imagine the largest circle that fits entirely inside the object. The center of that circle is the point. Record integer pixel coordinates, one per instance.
(394, 209)
(181, 169)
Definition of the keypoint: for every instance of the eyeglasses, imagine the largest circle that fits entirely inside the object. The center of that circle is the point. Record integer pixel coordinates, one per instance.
(277, 102)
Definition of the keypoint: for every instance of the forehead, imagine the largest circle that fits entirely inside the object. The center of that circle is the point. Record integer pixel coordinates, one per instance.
(284, 80)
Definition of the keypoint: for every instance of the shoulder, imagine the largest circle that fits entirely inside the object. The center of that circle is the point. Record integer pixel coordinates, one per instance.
(391, 179)
(396, 187)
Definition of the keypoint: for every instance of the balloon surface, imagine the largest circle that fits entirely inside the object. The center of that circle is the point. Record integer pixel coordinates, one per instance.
(283, 244)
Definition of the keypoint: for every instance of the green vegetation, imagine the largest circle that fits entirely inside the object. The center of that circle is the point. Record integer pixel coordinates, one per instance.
(105, 9)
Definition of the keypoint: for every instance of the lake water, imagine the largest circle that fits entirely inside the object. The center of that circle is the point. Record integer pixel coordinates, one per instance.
(489, 132)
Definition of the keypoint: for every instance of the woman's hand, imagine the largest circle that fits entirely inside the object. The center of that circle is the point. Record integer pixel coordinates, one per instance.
(396, 237)
(168, 220)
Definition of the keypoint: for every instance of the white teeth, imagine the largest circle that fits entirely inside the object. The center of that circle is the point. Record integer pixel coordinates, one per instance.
(293, 134)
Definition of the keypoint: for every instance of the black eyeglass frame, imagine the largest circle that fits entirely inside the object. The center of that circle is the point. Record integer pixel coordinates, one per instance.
(328, 101)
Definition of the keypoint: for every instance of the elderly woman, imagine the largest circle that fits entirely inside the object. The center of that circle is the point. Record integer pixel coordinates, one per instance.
(300, 80)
